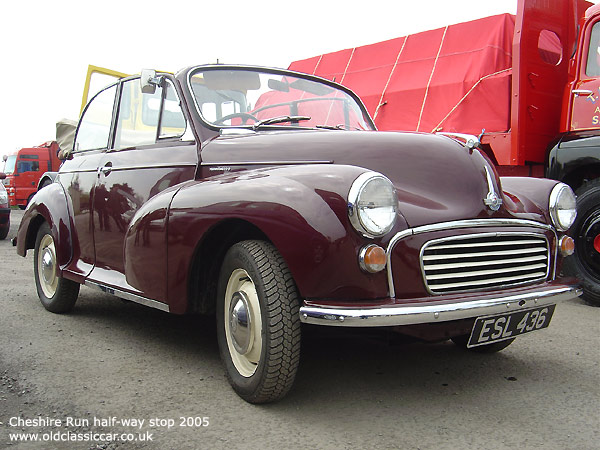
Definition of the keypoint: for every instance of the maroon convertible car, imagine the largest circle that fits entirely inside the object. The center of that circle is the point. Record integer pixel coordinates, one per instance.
(268, 198)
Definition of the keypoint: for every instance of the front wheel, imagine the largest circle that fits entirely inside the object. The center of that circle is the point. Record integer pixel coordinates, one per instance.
(585, 263)
(258, 322)
(58, 295)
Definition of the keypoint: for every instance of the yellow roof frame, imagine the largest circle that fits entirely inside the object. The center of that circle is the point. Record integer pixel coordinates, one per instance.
(96, 69)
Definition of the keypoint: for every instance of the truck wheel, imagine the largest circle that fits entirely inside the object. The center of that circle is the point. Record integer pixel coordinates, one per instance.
(461, 341)
(585, 263)
(258, 322)
(58, 295)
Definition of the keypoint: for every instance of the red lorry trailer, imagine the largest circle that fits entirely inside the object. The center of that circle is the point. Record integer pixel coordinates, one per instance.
(527, 85)
(25, 167)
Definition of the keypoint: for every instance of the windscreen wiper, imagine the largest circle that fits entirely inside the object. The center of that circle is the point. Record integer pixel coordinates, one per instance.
(332, 127)
(279, 119)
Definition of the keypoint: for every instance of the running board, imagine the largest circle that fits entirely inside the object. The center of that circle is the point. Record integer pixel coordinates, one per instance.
(128, 296)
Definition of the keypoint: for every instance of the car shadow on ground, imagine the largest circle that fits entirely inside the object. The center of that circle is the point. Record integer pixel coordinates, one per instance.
(333, 361)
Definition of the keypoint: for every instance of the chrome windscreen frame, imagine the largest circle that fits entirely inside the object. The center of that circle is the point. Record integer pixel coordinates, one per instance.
(462, 224)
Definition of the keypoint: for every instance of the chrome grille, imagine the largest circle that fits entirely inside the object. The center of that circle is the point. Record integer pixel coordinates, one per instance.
(484, 261)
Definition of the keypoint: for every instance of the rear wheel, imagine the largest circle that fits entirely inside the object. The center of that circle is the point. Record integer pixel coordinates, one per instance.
(258, 323)
(585, 263)
(461, 341)
(58, 295)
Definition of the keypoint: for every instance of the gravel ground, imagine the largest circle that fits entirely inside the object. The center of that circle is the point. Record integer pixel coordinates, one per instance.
(90, 373)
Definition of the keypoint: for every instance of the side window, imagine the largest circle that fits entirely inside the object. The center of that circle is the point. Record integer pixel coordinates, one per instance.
(172, 123)
(137, 122)
(593, 58)
(28, 166)
(550, 47)
(94, 127)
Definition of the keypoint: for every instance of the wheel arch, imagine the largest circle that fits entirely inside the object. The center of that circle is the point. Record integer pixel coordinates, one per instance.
(579, 176)
(574, 159)
(50, 206)
(203, 277)
(47, 178)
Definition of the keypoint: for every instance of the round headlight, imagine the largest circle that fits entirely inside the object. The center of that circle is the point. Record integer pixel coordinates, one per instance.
(372, 204)
(563, 206)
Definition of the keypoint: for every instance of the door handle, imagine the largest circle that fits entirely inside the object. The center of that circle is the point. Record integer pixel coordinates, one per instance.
(106, 169)
(582, 92)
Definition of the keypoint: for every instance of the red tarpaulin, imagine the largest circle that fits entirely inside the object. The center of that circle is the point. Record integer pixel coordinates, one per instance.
(453, 79)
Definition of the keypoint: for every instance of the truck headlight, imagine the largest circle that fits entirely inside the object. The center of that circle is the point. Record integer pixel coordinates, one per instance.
(372, 204)
(562, 206)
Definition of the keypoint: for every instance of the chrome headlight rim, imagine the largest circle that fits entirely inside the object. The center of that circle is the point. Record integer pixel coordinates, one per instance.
(354, 214)
(556, 203)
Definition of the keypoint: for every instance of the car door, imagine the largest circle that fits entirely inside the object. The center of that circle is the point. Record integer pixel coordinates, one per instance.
(148, 155)
(78, 175)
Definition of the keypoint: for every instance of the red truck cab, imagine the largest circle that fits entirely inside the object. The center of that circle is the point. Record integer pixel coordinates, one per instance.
(24, 169)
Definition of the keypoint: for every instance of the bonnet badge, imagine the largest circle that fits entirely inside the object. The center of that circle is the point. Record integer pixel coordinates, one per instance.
(492, 200)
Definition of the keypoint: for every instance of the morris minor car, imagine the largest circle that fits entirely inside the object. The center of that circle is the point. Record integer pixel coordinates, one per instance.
(267, 198)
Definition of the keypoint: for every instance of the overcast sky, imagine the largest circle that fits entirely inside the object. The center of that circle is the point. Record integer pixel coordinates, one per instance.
(46, 46)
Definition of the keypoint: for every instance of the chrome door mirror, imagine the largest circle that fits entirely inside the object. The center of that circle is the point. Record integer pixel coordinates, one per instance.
(149, 81)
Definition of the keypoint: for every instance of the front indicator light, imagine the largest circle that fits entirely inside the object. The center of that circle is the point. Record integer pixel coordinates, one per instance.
(566, 245)
(372, 258)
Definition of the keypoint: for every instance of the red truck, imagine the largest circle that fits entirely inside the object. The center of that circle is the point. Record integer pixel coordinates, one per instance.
(527, 85)
(25, 168)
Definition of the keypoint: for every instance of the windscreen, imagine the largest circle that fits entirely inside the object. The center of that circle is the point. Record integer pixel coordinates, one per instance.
(241, 97)
(9, 165)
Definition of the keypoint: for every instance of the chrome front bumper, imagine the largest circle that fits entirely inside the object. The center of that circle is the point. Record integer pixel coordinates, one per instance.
(441, 311)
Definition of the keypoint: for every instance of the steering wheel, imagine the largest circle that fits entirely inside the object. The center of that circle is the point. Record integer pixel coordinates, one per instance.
(242, 115)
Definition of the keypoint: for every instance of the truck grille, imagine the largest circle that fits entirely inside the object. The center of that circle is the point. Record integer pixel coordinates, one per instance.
(484, 261)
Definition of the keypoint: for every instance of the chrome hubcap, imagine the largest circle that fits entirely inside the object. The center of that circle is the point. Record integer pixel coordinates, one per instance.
(240, 322)
(46, 266)
(243, 325)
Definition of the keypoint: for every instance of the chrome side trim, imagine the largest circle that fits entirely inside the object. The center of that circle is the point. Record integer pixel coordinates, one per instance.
(435, 312)
(263, 163)
(455, 225)
(236, 131)
(128, 296)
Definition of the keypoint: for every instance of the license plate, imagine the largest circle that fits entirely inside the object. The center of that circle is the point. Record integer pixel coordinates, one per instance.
(507, 326)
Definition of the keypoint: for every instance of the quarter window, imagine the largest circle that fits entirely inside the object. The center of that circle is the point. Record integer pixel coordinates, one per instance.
(94, 128)
(172, 123)
(136, 124)
(139, 114)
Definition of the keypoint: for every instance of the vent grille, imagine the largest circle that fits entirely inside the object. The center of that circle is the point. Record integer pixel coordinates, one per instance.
(484, 261)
